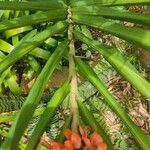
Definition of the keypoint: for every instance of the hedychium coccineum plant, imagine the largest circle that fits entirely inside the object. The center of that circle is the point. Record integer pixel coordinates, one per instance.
(66, 17)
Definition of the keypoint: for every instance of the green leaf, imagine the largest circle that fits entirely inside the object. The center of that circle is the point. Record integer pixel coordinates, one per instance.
(9, 78)
(67, 124)
(28, 108)
(4, 75)
(86, 31)
(13, 32)
(120, 63)
(112, 13)
(108, 2)
(13, 85)
(29, 44)
(40, 53)
(5, 47)
(48, 115)
(29, 35)
(10, 116)
(37, 52)
(34, 64)
(1, 13)
(89, 119)
(5, 15)
(91, 76)
(15, 39)
(39, 5)
(51, 42)
(134, 35)
(40, 17)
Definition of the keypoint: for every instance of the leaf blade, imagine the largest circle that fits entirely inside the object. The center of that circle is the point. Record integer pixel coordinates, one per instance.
(134, 35)
(108, 2)
(89, 119)
(112, 13)
(91, 76)
(120, 63)
(39, 5)
(48, 115)
(29, 44)
(32, 100)
(40, 17)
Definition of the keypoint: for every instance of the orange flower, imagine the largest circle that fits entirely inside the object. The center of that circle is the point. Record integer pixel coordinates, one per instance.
(68, 144)
(74, 141)
(102, 146)
(95, 138)
(56, 146)
(67, 134)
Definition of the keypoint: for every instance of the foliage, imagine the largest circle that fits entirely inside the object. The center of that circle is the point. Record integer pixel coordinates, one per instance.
(37, 32)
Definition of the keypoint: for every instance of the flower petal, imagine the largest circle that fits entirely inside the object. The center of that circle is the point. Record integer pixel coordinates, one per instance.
(67, 134)
(76, 140)
(96, 139)
(68, 144)
(102, 146)
(57, 146)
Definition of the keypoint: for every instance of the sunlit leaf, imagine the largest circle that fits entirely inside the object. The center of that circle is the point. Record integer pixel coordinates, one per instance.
(91, 76)
(33, 99)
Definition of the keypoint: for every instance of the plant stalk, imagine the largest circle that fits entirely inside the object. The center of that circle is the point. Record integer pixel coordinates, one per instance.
(72, 76)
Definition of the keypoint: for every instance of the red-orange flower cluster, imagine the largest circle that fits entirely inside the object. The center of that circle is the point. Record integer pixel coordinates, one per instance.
(79, 141)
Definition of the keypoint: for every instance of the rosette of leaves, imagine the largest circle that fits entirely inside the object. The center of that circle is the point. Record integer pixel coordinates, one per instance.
(60, 19)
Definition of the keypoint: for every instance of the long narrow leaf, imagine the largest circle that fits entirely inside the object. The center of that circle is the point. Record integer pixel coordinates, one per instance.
(91, 76)
(48, 115)
(39, 5)
(89, 119)
(34, 64)
(40, 53)
(13, 32)
(120, 63)
(40, 17)
(28, 108)
(108, 2)
(37, 52)
(13, 85)
(134, 35)
(30, 44)
(112, 13)
(10, 116)
(5, 46)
